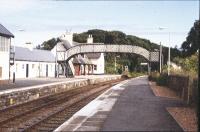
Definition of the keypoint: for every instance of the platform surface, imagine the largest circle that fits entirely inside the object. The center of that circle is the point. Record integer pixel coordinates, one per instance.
(28, 82)
(128, 106)
(138, 109)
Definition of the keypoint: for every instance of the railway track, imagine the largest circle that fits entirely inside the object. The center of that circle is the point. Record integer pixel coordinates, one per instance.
(47, 113)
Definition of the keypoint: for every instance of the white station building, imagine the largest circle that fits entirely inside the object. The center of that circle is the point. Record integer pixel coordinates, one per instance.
(28, 62)
(5, 54)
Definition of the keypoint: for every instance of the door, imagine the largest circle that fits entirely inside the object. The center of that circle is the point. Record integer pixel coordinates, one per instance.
(27, 70)
(47, 70)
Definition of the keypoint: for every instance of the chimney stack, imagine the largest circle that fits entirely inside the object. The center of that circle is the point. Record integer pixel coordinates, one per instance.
(68, 36)
(29, 45)
(90, 39)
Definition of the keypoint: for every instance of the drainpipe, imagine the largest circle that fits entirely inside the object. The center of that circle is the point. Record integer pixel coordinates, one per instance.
(9, 57)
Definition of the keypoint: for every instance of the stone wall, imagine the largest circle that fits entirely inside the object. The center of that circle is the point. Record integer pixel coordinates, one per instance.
(22, 95)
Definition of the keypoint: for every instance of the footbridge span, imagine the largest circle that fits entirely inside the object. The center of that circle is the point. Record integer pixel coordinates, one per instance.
(107, 48)
(65, 56)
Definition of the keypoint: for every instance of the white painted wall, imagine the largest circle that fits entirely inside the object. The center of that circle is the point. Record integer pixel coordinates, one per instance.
(36, 69)
(4, 63)
(4, 60)
(100, 64)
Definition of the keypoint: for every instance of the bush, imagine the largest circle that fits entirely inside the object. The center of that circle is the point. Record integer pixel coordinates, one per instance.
(154, 76)
(135, 74)
(162, 80)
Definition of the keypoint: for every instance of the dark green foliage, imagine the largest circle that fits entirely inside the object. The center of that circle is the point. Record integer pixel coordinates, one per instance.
(191, 45)
(48, 45)
(162, 80)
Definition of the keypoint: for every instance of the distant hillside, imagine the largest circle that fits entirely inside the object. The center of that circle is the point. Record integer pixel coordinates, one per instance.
(118, 37)
(114, 37)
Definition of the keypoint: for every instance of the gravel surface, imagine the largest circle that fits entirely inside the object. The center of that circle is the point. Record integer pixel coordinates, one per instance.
(163, 91)
(185, 116)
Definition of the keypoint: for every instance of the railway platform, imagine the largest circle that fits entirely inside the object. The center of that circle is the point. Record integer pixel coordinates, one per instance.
(127, 106)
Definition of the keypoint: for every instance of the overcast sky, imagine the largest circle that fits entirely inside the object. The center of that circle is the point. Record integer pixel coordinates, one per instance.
(39, 20)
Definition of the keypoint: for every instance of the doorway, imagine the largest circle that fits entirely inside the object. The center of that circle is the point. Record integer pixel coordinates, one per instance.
(46, 70)
(27, 70)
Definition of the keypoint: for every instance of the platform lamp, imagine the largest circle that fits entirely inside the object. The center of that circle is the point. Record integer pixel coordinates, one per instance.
(168, 62)
(115, 62)
(160, 58)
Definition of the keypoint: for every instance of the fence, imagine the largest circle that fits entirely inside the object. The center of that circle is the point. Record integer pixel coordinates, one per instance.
(186, 87)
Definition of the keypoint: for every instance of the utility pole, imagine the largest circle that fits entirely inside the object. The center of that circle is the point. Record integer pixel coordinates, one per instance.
(168, 68)
(160, 57)
(115, 64)
(56, 63)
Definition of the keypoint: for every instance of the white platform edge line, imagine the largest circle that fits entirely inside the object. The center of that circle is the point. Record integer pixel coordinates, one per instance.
(73, 117)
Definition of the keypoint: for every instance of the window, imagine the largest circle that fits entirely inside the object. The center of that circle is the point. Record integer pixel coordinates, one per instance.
(95, 67)
(16, 67)
(22, 66)
(4, 43)
(51, 67)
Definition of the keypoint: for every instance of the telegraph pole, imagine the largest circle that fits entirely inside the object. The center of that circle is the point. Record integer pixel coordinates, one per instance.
(160, 57)
(168, 68)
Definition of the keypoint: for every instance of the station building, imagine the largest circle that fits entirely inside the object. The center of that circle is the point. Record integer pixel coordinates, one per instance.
(82, 64)
(28, 62)
(31, 62)
(6, 57)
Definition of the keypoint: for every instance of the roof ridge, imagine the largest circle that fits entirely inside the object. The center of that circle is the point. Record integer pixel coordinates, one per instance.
(5, 32)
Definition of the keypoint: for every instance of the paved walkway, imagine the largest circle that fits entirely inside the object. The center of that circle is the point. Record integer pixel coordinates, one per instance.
(138, 109)
(127, 106)
(27, 82)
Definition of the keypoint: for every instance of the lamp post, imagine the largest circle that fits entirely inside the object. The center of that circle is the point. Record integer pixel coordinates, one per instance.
(115, 62)
(168, 68)
(160, 57)
(161, 28)
(168, 62)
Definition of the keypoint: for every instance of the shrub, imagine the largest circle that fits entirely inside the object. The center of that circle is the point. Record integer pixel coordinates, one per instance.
(162, 80)
(154, 76)
(135, 74)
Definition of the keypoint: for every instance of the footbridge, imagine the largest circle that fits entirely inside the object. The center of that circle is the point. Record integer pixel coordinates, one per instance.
(107, 48)
(63, 57)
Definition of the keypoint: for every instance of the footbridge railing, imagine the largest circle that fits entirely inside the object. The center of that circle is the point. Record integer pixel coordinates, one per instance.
(108, 48)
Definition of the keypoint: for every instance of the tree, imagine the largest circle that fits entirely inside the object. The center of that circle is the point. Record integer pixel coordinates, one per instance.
(49, 44)
(191, 45)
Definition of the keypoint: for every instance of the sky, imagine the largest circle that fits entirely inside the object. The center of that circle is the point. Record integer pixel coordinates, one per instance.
(39, 20)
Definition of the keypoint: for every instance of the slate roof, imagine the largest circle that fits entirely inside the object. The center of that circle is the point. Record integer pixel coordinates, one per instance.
(63, 45)
(81, 60)
(36, 55)
(4, 32)
(66, 44)
(76, 60)
(93, 55)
